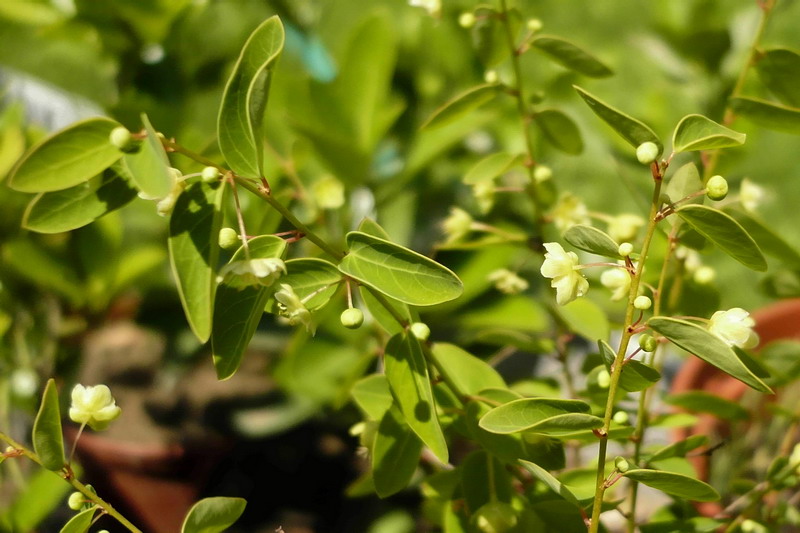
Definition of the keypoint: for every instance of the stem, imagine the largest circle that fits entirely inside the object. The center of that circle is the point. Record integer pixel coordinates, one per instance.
(627, 333)
(239, 217)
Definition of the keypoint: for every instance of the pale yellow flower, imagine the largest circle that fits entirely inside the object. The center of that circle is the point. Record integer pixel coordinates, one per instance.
(624, 227)
(568, 212)
(291, 307)
(507, 282)
(247, 273)
(94, 406)
(618, 280)
(735, 327)
(560, 266)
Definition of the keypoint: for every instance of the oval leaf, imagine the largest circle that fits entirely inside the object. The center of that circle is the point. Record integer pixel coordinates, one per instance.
(560, 130)
(635, 375)
(395, 454)
(149, 166)
(407, 373)
(572, 56)
(80, 523)
(488, 168)
(703, 402)
(461, 105)
(707, 347)
(531, 414)
(768, 240)
(310, 276)
(684, 182)
(69, 209)
(592, 240)
(398, 272)
(373, 396)
(469, 374)
(779, 69)
(629, 128)
(48, 439)
(213, 515)
(193, 252)
(585, 318)
(696, 132)
(554, 484)
(240, 122)
(767, 114)
(238, 312)
(725, 232)
(675, 484)
(67, 158)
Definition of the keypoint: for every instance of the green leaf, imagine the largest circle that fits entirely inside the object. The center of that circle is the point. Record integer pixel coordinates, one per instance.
(373, 396)
(768, 115)
(507, 448)
(193, 251)
(68, 209)
(768, 240)
(33, 262)
(675, 484)
(560, 130)
(696, 132)
(398, 272)
(490, 167)
(554, 484)
(572, 56)
(461, 105)
(309, 276)
(469, 374)
(382, 316)
(703, 402)
(540, 415)
(41, 495)
(80, 523)
(395, 454)
(407, 373)
(213, 515)
(370, 227)
(585, 318)
(592, 240)
(149, 166)
(48, 439)
(685, 181)
(635, 375)
(480, 474)
(707, 347)
(238, 312)
(67, 158)
(779, 70)
(629, 128)
(680, 448)
(241, 115)
(725, 232)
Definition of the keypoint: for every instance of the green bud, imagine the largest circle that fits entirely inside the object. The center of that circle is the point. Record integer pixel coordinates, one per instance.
(704, 275)
(228, 239)
(621, 464)
(491, 77)
(122, 138)
(648, 343)
(76, 501)
(642, 303)
(625, 249)
(466, 20)
(647, 152)
(621, 417)
(420, 330)
(495, 517)
(542, 173)
(717, 188)
(534, 25)
(352, 318)
(210, 175)
(603, 379)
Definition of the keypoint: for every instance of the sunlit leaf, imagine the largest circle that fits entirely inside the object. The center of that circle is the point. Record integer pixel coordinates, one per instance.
(632, 130)
(213, 515)
(48, 438)
(469, 374)
(675, 484)
(572, 56)
(779, 69)
(149, 166)
(80, 523)
(490, 167)
(540, 415)
(373, 396)
(552, 483)
(461, 105)
(696, 132)
(585, 318)
(395, 454)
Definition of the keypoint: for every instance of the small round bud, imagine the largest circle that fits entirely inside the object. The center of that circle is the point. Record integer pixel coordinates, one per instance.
(664, 199)
(228, 239)
(466, 20)
(76, 501)
(122, 138)
(642, 303)
(704, 275)
(647, 152)
(352, 318)
(717, 188)
(751, 526)
(621, 464)
(210, 175)
(603, 379)
(542, 173)
(495, 517)
(420, 330)
(534, 25)
(625, 249)
(491, 77)
(620, 417)
(648, 343)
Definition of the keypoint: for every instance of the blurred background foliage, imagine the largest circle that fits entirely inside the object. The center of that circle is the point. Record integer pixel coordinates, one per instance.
(348, 97)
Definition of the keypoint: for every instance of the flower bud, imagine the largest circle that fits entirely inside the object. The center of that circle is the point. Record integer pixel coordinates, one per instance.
(466, 20)
(603, 379)
(625, 249)
(717, 188)
(121, 138)
(76, 501)
(648, 343)
(642, 303)
(621, 417)
(704, 275)
(491, 77)
(210, 175)
(495, 517)
(328, 193)
(420, 330)
(352, 318)
(647, 152)
(542, 173)
(228, 239)
(621, 464)
(534, 25)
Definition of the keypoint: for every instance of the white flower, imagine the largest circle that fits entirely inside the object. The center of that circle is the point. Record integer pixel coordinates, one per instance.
(457, 225)
(507, 282)
(624, 227)
(569, 211)
(292, 307)
(434, 7)
(93, 406)
(735, 327)
(750, 195)
(618, 280)
(561, 267)
(241, 274)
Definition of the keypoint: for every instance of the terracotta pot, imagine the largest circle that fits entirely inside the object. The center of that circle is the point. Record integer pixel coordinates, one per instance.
(778, 321)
